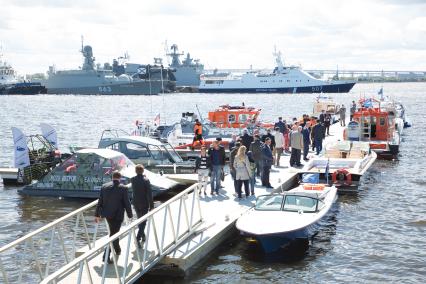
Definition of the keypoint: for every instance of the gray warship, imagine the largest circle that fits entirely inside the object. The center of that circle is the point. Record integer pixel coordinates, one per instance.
(188, 71)
(94, 80)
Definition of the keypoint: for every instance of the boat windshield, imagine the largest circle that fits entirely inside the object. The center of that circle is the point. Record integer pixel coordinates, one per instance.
(269, 202)
(297, 203)
(173, 153)
(160, 153)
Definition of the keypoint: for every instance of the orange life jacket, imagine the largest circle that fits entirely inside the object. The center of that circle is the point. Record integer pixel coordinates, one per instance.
(198, 128)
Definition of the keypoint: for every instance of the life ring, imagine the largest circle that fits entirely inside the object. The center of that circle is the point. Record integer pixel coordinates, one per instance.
(313, 186)
(336, 176)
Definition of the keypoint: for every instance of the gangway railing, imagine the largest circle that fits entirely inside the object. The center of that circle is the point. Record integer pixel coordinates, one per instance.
(50, 246)
(167, 227)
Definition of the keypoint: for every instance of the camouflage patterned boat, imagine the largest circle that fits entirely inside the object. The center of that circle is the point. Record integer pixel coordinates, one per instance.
(82, 175)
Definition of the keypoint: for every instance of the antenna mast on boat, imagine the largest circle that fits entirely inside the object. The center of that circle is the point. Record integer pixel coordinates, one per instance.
(199, 113)
(82, 39)
(278, 60)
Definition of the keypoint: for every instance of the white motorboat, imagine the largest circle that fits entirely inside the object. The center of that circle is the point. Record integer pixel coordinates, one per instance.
(343, 163)
(279, 219)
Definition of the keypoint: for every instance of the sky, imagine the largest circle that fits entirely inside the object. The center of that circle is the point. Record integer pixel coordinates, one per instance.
(355, 35)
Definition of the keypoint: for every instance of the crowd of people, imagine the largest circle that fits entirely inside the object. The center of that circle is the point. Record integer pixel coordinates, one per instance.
(251, 157)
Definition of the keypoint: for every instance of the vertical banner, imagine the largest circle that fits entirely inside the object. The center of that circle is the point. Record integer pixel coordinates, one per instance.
(22, 158)
(49, 133)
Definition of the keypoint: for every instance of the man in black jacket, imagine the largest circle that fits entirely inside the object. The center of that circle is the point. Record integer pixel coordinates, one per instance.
(246, 139)
(142, 199)
(256, 149)
(217, 162)
(112, 202)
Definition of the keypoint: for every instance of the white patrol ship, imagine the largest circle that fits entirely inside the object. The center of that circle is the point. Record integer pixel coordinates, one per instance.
(284, 79)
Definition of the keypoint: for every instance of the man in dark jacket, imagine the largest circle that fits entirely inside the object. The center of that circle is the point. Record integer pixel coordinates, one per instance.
(318, 132)
(142, 199)
(112, 202)
(280, 124)
(271, 137)
(306, 132)
(246, 139)
(267, 161)
(256, 149)
(217, 162)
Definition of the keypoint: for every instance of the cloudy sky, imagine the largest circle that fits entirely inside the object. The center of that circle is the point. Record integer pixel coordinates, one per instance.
(359, 34)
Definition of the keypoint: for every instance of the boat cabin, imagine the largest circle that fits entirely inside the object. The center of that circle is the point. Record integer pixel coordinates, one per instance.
(153, 154)
(375, 123)
(227, 116)
(293, 202)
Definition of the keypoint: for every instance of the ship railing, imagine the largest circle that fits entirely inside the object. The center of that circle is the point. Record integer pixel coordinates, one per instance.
(50, 246)
(167, 226)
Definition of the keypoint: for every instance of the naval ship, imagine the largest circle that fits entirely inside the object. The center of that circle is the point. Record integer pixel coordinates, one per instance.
(188, 71)
(11, 85)
(94, 80)
(154, 71)
(283, 79)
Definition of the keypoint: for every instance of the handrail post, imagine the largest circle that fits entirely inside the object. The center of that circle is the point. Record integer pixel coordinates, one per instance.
(3, 272)
(52, 236)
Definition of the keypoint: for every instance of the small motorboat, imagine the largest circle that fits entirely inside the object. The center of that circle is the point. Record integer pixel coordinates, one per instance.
(278, 220)
(327, 104)
(343, 163)
(155, 155)
(82, 175)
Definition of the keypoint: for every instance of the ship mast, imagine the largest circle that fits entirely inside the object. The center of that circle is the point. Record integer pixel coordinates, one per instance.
(278, 60)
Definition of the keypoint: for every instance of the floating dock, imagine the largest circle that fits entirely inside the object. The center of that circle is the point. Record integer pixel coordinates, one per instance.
(181, 232)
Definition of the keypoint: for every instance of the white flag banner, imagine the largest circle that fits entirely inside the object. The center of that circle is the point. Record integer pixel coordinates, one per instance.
(49, 133)
(22, 158)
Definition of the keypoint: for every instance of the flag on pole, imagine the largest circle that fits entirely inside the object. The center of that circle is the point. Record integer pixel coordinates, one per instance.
(327, 170)
(157, 120)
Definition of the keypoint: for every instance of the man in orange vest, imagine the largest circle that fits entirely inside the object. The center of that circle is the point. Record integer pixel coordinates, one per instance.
(198, 133)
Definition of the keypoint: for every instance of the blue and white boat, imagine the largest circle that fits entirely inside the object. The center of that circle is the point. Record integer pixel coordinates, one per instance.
(280, 219)
(284, 79)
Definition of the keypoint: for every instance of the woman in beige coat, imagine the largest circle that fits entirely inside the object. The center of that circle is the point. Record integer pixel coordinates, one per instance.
(242, 171)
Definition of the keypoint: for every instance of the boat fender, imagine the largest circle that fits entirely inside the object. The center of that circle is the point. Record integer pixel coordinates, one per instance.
(342, 172)
(71, 168)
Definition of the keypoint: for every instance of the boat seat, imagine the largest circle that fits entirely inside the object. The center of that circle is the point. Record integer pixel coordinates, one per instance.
(333, 154)
(356, 155)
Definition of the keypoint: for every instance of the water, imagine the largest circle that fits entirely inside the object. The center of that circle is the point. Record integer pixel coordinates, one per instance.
(374, 236)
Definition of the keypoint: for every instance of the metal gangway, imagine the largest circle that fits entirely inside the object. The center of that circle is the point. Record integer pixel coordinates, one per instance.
(70, 249)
